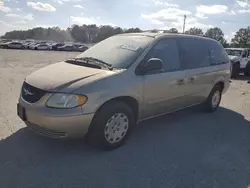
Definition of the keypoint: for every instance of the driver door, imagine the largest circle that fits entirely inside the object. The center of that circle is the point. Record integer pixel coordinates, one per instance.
(164, 91)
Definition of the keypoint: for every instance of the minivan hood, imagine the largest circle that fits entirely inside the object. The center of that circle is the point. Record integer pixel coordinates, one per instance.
(57, 76)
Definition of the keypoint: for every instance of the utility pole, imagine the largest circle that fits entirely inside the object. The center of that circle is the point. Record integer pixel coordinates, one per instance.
(184, 23)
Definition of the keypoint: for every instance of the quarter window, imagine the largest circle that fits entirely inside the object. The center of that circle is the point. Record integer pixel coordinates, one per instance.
(217, 53)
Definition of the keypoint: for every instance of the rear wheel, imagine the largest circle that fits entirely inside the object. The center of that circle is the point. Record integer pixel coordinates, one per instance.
(235, 70)
(214, 98)
(111, 126)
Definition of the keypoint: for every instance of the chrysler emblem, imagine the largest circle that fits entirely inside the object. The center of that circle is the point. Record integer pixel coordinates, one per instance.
(27, 92)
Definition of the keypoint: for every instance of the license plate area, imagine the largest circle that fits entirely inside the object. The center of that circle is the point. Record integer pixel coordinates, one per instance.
(21, 112)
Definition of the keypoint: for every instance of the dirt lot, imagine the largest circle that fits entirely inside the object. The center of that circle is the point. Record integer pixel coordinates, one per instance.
(186, 149)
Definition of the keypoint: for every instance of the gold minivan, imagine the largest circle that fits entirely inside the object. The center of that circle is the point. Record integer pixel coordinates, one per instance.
(127, 78)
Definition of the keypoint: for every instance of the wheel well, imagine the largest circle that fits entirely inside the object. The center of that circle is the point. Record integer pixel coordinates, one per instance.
(221, 84)
(130, 101)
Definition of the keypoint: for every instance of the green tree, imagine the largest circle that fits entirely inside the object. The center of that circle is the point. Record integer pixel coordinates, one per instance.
(195, 31)
(215, 33)
(133, 30)
(242, 38)
(172, 30)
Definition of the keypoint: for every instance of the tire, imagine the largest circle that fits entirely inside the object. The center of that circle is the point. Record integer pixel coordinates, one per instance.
(235, 70)
(213, 101)
(104, 128)
(35, 49)
(247, 69)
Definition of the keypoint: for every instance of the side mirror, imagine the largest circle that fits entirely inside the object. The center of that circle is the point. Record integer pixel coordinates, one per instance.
(154, 64)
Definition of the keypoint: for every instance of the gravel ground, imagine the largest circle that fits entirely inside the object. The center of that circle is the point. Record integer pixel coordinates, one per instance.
(186, 149)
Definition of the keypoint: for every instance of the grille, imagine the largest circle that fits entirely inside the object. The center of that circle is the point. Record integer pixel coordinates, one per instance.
(46, 132)
(32, 94)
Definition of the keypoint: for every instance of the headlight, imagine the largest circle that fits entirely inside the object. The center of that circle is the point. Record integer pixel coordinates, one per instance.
(61, 100)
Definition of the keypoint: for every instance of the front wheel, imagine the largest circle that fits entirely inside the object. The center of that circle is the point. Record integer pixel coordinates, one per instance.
(111, 126)
(213, 101)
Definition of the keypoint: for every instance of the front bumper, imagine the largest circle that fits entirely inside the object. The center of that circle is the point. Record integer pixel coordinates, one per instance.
(56, 123)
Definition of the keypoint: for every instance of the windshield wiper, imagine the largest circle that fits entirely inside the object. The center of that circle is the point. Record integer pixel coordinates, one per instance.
(91, 59)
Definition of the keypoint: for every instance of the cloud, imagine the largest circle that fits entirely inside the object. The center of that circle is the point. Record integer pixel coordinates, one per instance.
(12, 1)
(173, 18)
(200, 15)
(71, 1)
(4, 8)
(16, 25)
(190, 23)
(166, 15)
(41, 6)
(244, 11)
(89, 20)
(243, 4)
(78, 6)
(60, 2)
(213, 9)
(20, 22)
(164, 3)
(28, 17)
(82, 20)
(232, 12)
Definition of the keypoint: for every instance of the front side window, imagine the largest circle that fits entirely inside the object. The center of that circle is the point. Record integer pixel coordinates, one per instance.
(167, 51)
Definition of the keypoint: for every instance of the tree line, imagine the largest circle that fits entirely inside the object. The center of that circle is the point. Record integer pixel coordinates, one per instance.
(93, 34)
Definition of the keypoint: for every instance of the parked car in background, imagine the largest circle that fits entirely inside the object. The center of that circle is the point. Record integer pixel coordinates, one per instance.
(32, 45)
(56, 45)
(42, 47)
(4, 44)
(82, 48)
(66, 48)
(5, 40)
(15, 45)
(120, 81)
(27, 44)
(240, 61)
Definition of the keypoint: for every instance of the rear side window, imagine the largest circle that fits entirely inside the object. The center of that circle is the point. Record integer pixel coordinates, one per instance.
(167, 51)
(217, 53)
(194, 53)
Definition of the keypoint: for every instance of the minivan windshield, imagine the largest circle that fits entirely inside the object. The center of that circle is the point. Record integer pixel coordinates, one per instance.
(234, 52)
(120, 51)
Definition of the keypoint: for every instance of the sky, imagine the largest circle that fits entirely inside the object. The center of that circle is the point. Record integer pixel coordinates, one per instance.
(229, 15)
